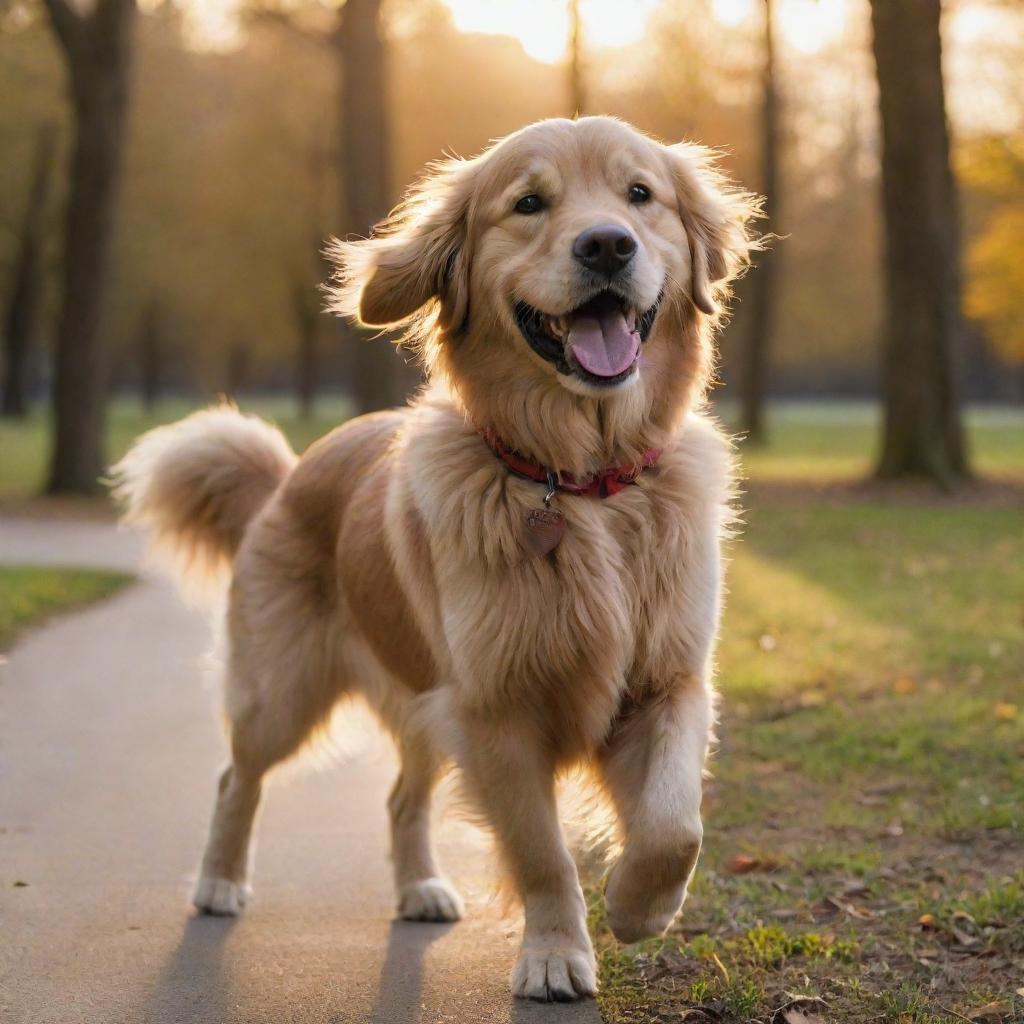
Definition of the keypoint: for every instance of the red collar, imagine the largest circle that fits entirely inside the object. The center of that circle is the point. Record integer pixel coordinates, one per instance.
(602, 484)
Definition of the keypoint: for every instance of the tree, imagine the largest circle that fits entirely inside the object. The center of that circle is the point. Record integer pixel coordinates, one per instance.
(577, 87)
(995, 291)
(764, 283)
(21, 325)
(151, 345)
(97, 50)
(380, 377)
(922, 434)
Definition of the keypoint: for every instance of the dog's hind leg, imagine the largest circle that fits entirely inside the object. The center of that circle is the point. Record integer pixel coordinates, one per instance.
(423, 893)
(262, 734)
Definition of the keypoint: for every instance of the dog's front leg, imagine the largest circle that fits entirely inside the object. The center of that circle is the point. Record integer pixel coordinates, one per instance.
(511, 776)
(653, 766)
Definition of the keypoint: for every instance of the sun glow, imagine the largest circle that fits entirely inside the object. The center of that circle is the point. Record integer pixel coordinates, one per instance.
(542, 26)
(806, 25)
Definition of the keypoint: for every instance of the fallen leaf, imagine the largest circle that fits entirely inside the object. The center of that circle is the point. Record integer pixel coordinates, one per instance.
(800, 1010)
(1005, 712)
(990, 1012)
(741, 864)
(799, 1017)
(965, 939)
(904, 685)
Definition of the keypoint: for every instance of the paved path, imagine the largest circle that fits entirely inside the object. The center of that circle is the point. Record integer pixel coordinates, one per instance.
(109, 749)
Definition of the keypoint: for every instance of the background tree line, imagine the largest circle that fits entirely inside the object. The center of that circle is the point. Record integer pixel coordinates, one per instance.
(230, 165)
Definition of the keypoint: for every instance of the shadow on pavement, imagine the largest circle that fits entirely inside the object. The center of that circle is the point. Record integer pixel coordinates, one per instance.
(401, 977)
(585, 1012)
(194, 988)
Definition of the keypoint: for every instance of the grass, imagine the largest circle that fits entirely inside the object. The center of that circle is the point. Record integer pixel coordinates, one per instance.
(809, 442)
(871, 769)
(25, 444)
(827, 442)
(29, 594)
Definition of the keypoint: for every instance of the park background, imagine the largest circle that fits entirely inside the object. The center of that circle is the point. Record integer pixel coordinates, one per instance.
(170, 174)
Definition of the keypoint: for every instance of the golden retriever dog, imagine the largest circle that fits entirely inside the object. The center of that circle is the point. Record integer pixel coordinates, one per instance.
(520, 572)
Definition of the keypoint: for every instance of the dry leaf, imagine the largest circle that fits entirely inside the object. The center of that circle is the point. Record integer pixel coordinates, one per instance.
(904, 685)
(965, 939)
(799, 1017)
(1005, 712)
(741, 864)
(989, 1012)
(800, 1010)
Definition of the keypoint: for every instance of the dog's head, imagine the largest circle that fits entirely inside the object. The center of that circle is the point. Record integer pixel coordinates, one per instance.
(577, 254)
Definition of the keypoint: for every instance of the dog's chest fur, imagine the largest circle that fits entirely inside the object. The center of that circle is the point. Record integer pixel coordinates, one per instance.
(626, 603)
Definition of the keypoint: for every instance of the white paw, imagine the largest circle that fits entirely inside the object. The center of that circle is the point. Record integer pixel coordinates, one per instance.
(432, 899)
(219, 896)
(554, 972)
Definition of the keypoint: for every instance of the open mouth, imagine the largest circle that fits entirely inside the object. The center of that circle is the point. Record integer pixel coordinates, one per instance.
(599, 341)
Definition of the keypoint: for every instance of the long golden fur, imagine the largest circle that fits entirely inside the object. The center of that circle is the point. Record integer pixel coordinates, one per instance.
(390, 559)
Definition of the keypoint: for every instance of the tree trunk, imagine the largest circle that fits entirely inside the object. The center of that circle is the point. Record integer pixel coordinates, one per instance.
(150, 356)
(307, 319)
(22, 320)
(923, 434)
(577, 85)
(98, 51)
(380, 376)
(764, 282)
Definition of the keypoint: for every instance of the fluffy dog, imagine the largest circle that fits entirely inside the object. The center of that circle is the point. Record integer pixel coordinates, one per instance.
(520, 571)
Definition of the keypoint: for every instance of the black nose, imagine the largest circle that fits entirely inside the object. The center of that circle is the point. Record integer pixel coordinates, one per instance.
(605, 248)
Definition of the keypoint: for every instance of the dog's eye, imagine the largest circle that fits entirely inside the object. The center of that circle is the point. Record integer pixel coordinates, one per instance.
(639, 194)
(530, 204)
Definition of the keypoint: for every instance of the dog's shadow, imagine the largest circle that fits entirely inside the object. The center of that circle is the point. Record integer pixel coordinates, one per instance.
(525, 1012)
(401, 978)
(399, 993)
(193, 987)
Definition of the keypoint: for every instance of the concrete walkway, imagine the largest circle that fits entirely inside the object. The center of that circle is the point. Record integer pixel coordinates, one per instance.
(109, 748)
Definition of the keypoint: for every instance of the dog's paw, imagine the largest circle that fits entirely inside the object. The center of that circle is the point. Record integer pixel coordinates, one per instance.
(219, 896)
(644, 894)
(431, 899)
(554, 973)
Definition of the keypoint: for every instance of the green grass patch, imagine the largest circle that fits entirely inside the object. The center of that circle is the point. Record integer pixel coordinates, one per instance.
(29, 594)
(809, 442)
(870, 763)
(26, 444)
(832, 441)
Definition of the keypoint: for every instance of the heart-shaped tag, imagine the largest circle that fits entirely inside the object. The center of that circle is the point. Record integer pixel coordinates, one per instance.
(544, 529)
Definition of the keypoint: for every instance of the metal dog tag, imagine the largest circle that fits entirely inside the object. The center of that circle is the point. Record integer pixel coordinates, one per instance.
(544, 529)
(545, 526)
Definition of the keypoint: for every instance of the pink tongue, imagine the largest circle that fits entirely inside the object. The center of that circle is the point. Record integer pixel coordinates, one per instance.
(603, 345)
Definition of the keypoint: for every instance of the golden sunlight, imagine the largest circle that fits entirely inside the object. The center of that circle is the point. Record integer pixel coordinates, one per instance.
(542, 26)
(806, 25)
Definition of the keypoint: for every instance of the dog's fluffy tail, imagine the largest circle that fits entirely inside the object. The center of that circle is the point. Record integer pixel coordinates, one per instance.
(197, 484)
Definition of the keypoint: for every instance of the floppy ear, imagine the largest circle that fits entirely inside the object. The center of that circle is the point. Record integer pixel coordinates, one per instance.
(716, 216)
(417, 254)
